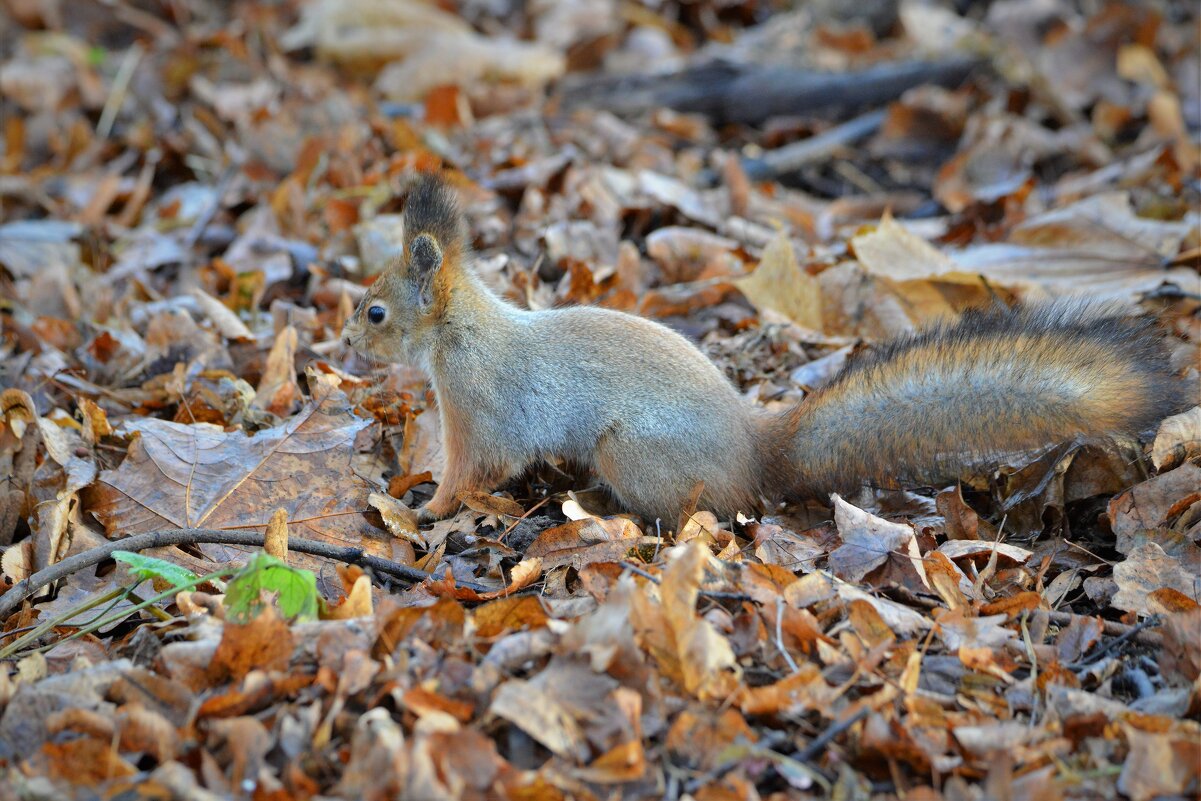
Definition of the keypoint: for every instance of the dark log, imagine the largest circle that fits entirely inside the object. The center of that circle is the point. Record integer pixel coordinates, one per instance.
(751, 93)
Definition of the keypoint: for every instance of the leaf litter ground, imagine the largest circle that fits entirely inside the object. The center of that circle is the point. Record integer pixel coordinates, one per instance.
(194, 197)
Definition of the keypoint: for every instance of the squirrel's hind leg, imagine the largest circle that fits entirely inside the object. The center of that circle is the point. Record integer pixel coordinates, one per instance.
(655, 477)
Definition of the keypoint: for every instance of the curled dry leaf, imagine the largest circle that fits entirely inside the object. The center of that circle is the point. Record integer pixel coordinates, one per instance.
(222, 316)
(275, 538)
(19, 439)
(278, 392)
(489, 504)
(400, 519)
(1178, 439)
(592, 539)
(702, 656)
(982, 552)
(56, 489)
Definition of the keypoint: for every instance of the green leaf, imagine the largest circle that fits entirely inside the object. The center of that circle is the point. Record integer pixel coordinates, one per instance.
(147, 567)
(295, 590)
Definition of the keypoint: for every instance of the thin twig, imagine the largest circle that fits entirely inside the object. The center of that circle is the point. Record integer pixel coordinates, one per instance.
(194, 536)
(1114, 629)
(814, 749)
(116, 95)
(780, 635)
(717, 595)
(793, 156)
(517, 522)
(1101, 651)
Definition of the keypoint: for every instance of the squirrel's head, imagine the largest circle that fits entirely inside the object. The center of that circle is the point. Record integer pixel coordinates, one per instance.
(408, 300)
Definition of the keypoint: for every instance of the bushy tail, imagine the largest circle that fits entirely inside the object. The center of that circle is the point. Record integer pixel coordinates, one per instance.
(923, 409)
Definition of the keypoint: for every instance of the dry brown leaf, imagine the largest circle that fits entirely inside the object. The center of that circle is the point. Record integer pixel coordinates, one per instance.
(56, 490)
(793, 695)
(900, 618)
(400, 519)
(981, 552)
(265, 643)
(557, 705)
(222, 317)
(591, 539)
(1152, 504)
(779, 284)
(868, 542)
(278, 392)
(505, 615)
(1161, 763)
(1178, 439)
(357, 603)
(704, 657)
(1080, 635)
(893, 251)
(1146, 569)
(488, 504)
(776, 545)
(181, 476)
(959, 629)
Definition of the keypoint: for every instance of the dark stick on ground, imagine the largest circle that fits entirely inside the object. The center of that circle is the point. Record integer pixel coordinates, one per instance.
(193, 536)
(752, 93)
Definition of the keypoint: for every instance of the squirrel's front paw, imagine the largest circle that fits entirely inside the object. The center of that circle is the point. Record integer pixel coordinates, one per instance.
(426, 515)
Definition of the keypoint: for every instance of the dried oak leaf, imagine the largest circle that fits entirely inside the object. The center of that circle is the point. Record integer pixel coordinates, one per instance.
(1155, 503)
(1163, 761)
(869, 541)
(688, 648)
(181, 476)
(1146, 569)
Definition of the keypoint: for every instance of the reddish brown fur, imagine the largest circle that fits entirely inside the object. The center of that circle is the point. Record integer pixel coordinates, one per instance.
(925, 408)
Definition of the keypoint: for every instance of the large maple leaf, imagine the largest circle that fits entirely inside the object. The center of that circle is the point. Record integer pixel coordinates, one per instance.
(178, 476)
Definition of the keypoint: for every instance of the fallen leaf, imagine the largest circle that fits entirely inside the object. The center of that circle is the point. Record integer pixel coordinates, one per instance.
(779, 284)
(1146, 569)
(278, 392)
(1178, 439)
(222, 317)
(867, 542)
(182, 476)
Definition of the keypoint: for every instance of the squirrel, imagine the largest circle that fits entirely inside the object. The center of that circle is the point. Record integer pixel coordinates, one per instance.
(649, 412)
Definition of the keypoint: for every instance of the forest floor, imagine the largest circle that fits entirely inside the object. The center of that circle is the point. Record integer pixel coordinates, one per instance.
(194, 195)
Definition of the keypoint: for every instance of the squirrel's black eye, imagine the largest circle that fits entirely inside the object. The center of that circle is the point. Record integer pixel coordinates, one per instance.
(376, 314)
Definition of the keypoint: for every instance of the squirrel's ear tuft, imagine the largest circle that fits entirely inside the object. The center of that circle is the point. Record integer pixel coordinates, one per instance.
(432, 209)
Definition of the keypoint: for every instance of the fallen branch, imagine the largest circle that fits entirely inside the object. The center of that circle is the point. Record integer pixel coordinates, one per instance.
(195, 536)
(792, 157)
(814, 750)
(1112, 628)
(751, 93)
